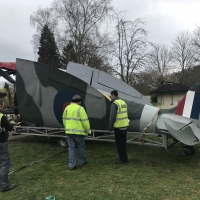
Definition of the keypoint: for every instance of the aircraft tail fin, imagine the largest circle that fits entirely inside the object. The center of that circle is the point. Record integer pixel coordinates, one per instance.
(189, 105)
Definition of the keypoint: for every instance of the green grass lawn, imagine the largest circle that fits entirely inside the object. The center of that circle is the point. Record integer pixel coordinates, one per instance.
(152, 173)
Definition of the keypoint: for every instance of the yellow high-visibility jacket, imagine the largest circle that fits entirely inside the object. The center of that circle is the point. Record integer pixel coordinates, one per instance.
(122, 116)
(75, 120)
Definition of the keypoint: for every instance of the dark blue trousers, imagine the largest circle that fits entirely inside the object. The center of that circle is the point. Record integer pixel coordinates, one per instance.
(120, 139)
(5, 164)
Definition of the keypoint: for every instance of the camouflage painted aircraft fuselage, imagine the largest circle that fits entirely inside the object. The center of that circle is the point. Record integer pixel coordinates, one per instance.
(43, 92)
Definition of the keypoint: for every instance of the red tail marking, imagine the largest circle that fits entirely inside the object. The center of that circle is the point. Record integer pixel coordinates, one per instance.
(180, 106)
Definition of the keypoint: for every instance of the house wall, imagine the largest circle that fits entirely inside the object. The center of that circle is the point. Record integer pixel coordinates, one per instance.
(148, 97)
(177, 98)
(160, 99)
(169, 100)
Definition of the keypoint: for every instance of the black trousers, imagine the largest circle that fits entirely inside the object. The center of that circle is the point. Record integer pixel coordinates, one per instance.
(120, 139)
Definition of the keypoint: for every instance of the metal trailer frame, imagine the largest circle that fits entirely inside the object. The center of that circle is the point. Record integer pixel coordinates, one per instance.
(132, 137)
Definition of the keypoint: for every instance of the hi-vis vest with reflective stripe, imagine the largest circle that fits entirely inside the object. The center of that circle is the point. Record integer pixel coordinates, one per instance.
(122, 117)
(75, 120)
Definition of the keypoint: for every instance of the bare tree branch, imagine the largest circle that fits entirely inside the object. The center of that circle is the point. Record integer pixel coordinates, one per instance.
(130, 46)
(183, 52)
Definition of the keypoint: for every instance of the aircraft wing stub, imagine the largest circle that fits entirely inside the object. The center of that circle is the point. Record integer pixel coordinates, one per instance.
(185, 135)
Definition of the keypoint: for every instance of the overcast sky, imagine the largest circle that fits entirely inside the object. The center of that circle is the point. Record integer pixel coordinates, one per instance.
(164, 20)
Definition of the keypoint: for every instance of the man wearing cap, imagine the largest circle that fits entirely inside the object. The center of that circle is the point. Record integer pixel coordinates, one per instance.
(119, 122)
(77, 126)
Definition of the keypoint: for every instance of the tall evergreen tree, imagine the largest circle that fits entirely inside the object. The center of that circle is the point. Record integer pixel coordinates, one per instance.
(48, 51)
(6, 86)
(69, 54)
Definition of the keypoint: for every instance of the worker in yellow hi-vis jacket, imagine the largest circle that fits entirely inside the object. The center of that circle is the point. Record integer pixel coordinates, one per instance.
(119, 122)
(77, 126)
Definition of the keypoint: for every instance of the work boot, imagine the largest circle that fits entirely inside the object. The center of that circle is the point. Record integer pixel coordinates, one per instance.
(71, 168)
(83, 164)
(10, 187)
(118, 161)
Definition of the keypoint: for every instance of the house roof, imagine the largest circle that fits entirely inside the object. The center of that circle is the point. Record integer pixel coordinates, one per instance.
(170, 87)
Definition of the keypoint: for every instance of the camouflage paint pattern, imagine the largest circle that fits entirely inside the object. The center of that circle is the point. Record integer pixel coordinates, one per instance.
(43, 92)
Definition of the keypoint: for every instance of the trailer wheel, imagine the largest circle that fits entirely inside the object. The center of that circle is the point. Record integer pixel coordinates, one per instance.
(189, 150)
(62, 142)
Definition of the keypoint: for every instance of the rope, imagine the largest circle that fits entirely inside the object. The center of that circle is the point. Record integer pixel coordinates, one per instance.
(146, 128)
(23, 167)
